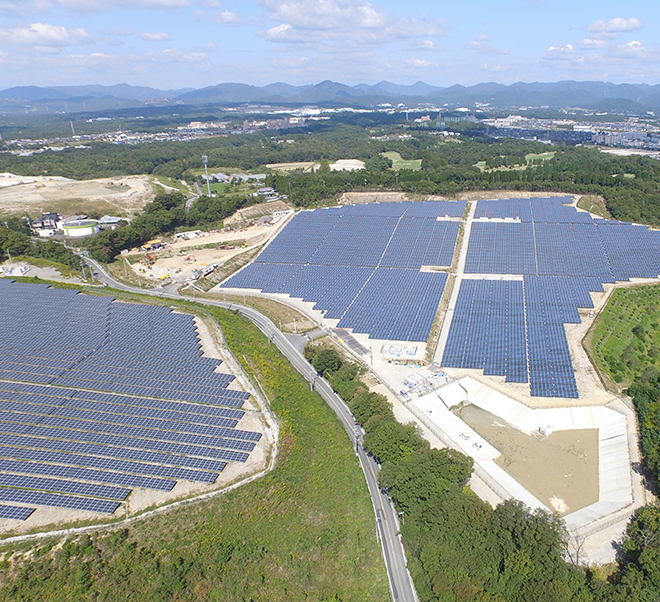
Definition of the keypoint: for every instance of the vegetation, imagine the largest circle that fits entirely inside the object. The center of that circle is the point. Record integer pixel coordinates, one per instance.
(470, 161)
(15, 242)
(286, 536)
(165, 214)
(626, 346)
(459, 548)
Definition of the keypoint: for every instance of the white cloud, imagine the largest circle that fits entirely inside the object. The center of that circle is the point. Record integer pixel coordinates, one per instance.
(611, 29)
(155, 37)
(635, 52)
(347, 23)
(565, 53)
(483, 46)
(592, 43)
(43, 36)
(427, 45)
(420, 64)
(228, 17)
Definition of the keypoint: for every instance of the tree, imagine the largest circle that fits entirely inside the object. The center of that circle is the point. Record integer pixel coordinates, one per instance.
(327, 361)
(424, 475)
(390, 441)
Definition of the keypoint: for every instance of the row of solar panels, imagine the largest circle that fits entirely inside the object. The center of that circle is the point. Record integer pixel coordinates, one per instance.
(363, 241)
(537, 209)
(516, 329)
(387, 303)
(607, 250)
(69, 448)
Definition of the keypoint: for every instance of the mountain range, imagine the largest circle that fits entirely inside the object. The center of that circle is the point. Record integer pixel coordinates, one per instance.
(597, 96)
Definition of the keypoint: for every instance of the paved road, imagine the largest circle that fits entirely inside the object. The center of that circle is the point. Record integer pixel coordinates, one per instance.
(386, 521)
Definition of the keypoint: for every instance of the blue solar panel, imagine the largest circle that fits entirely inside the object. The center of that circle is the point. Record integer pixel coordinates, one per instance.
(15, 512)
(340, 261)
(37, 498)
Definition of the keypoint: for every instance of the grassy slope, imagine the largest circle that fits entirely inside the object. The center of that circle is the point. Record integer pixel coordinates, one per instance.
(617, 350)
(400, 163)
(304, 532)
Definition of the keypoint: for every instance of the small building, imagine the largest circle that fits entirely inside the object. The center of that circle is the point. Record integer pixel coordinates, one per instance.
(109, 222)
(47, 225)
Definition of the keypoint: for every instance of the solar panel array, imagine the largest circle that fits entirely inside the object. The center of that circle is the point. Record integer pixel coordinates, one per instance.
(488, 329)
(360, 264)
(62, 446)
(563, 255)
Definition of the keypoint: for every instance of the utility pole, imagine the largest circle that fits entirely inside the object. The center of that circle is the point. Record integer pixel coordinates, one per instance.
(205, 160)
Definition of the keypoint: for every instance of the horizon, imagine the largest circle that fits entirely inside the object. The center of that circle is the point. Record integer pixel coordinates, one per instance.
(174, 44)
(309, 85)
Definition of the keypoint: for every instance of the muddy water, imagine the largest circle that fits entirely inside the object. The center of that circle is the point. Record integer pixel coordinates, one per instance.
(560, 470)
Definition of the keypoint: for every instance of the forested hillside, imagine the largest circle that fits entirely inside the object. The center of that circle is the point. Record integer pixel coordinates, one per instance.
(630, 185)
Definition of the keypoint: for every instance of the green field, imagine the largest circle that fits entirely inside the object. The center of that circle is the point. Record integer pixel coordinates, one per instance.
(626, 339)
(304, 532)
(399, 163)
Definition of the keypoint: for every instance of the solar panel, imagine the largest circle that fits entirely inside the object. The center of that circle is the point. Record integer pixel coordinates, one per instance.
(38, 498)
(15, 512)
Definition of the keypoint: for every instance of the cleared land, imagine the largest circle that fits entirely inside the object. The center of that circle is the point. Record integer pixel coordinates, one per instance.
(566, 483)
(305, 166)
(594, 204)
(120, 196)
(399, 163)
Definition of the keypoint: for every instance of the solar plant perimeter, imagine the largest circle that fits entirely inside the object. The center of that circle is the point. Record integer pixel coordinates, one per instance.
(99, 397)
(531, 264)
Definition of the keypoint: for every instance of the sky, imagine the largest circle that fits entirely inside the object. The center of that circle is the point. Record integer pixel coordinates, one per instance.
(174, 44)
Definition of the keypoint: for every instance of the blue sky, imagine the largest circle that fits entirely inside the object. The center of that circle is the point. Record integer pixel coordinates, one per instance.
(170, 44)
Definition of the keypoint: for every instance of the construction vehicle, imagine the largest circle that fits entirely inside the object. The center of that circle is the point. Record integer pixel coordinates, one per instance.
(189, 258)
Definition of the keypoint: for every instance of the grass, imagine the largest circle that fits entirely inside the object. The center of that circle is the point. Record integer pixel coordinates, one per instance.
(219, 187)
(304, 532)
(399, 163)
(626, 336)
(280, 313)
(594, 204)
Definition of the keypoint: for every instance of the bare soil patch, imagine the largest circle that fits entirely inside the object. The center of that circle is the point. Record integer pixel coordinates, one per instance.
(560, 470)
(34, 195)
(256, 211)
(478, 195)
(354, 198)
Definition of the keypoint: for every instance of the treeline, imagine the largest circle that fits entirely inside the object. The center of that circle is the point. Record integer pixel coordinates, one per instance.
(15, 241)
(459, 548)
(165, 214)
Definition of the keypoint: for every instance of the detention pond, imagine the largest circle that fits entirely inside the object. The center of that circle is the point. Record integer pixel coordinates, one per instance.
(561, 470)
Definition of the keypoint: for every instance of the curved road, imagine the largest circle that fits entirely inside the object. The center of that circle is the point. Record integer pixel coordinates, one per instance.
(387, 524)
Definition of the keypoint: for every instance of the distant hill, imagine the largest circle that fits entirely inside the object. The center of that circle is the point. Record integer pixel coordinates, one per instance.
(599, 96)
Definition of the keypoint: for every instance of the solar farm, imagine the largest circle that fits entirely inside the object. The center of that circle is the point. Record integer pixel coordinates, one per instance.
(361, 265)
(530, 265)
(102, 401)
